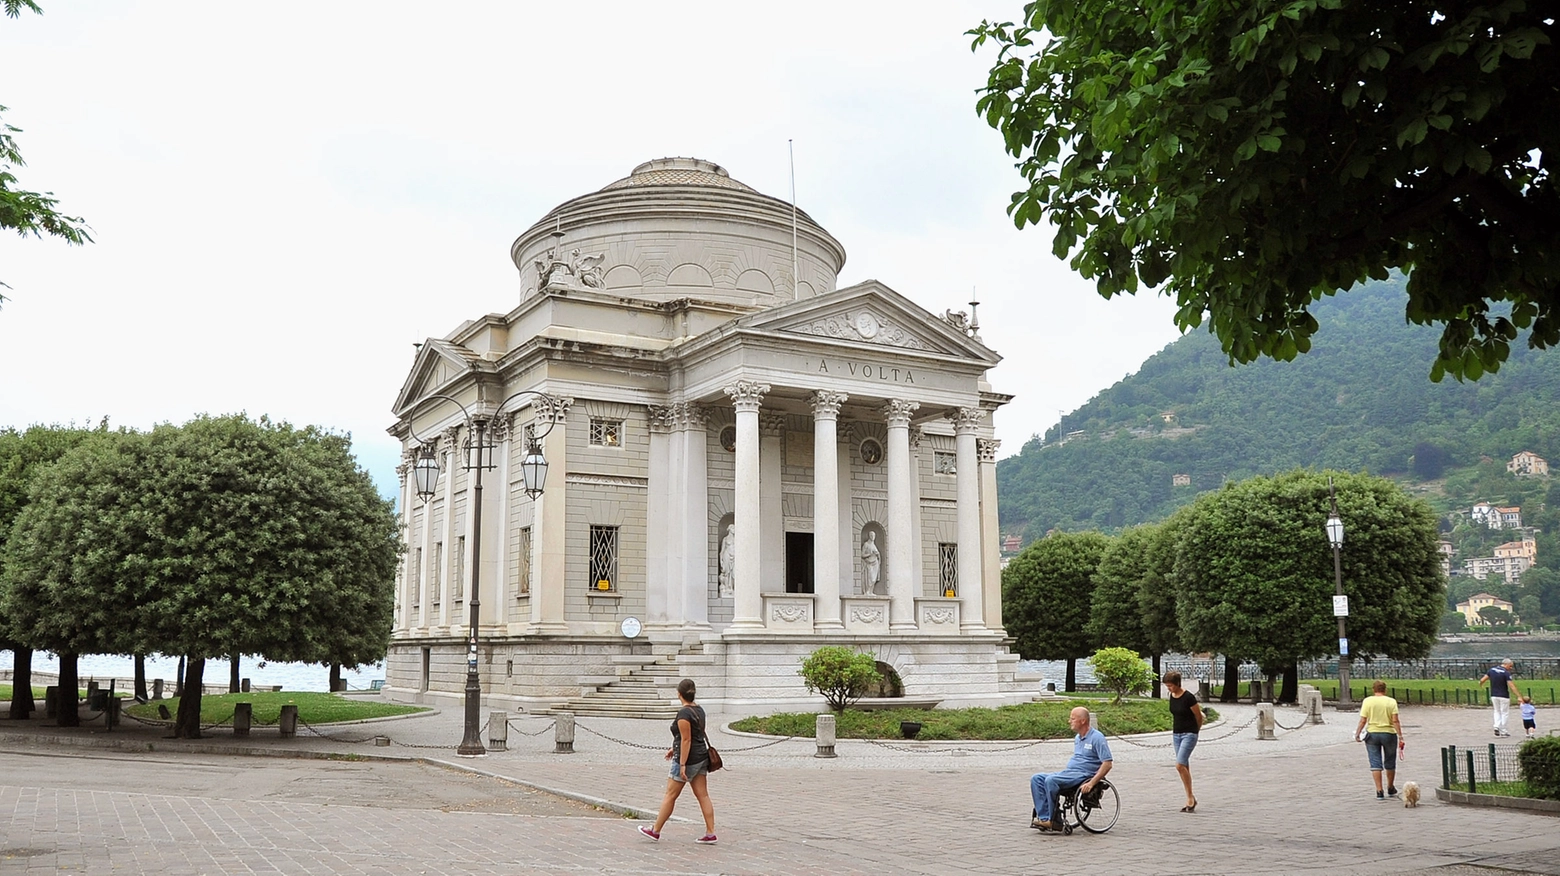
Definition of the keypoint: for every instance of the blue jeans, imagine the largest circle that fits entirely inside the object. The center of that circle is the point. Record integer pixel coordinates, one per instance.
(1183, 743)
(1381, 750)
(1044, 787)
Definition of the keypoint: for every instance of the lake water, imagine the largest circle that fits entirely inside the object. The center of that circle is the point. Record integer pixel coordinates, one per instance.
(291, 676)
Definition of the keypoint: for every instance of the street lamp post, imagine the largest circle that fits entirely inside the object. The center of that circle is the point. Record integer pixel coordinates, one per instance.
(479, 457)
(1340, 601)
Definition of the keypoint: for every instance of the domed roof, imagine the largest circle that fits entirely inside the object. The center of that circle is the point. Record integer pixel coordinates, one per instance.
(678, 172)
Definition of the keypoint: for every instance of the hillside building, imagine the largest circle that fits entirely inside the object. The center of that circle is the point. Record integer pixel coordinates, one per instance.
(1497, 517)
(1471, 606)
(744, 461)
(1511, 560)
(1528, 464)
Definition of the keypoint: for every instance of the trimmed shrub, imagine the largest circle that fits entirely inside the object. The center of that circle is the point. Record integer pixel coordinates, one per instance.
(841, 674)
(1121, 671)
(1540, 760)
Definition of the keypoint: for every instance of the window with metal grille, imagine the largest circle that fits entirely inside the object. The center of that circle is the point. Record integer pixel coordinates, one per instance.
(458, 566)
(943, 462)
(606, 433)
(435, 570)
(417, 580)
(603, 558)
(523, 562)
(948, 567)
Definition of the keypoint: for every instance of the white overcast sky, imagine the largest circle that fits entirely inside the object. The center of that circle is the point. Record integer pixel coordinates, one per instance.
(286, 197)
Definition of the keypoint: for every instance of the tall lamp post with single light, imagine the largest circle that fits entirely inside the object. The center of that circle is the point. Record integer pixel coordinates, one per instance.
(1340, 601)
(479, 456)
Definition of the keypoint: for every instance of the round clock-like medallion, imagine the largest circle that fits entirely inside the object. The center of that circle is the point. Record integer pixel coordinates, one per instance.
(728, 439)
(871, 451)
(631, 627)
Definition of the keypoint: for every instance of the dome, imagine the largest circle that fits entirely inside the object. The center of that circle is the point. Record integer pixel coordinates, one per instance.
(678, 172)
(679, 228)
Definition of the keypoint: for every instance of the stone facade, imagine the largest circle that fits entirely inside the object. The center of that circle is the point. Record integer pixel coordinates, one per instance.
(701, 390)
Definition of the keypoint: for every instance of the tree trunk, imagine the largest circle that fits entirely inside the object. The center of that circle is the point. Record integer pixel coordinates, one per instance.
(233, 674)
(1291, 692)
(140, 679)
(69, 687)
(1072, 675)
(1158, 693)
(187, 724)
(22, 705)
(1231, 692)
(335, 678)
(178, 679)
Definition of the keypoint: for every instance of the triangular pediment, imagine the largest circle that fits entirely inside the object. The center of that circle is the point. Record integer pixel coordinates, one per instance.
(438, 363)
(871, 314)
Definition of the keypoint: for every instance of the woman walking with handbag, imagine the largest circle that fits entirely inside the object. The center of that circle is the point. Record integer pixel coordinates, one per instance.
(690, 757)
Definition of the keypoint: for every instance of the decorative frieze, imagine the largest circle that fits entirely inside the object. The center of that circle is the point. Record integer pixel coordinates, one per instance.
(862, 325)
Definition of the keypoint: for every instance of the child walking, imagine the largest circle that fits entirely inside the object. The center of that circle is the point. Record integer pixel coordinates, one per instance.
(1529, 717)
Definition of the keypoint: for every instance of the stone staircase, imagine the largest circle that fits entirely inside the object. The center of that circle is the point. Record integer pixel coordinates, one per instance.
(644, 687)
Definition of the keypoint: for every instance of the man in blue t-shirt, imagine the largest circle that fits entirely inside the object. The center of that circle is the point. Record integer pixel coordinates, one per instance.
(1090, 762)
(1502, 688)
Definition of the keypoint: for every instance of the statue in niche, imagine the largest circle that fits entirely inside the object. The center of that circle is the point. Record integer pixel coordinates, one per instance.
(728, 563)
(871, 564)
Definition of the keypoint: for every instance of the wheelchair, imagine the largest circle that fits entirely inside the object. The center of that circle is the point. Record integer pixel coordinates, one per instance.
(1095, 812)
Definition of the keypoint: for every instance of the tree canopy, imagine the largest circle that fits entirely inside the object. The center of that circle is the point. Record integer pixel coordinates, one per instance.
(1046, 596)
(1255, 579)
(222, 536)
(25, 212)
(1250, 158)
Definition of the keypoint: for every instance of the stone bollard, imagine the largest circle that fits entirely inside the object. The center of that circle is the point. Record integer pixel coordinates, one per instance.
(243, 717)
(289, 721)
(111, 715)
(243, 685)
(1311, 702)
(92, 695)
(498, 731)
(1265, 722)
(157, 688)
(563, 733)
(823, 734)
(51, 701)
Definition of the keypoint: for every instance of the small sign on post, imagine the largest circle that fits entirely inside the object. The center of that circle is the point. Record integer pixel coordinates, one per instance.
(1343, 647)
(1341, 605)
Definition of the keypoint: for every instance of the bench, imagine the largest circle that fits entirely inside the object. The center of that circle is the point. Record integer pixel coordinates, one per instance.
(875, 704)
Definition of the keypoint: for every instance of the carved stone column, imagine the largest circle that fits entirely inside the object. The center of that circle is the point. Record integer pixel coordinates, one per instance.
(449, 462)
(495, 528)
(901, 517)
(966, 423)
(660, 522)
(550, 526)
(826, 516)
(747, 397)
(771, 456)
(689, 571)
(990, 536)
(403, 615)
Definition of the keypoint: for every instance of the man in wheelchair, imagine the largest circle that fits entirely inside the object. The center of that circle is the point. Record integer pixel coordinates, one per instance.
(1090, 762)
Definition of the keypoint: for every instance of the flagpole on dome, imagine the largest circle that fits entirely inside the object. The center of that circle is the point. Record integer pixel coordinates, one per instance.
(796, 287)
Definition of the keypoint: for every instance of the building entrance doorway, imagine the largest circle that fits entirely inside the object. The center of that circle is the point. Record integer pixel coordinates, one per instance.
(798, 562)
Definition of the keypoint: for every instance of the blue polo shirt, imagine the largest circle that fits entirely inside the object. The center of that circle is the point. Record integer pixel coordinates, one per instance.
(1089, 751)
(1499, 678)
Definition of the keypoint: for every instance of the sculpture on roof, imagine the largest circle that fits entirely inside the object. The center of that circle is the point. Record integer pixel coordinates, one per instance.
(553, 271)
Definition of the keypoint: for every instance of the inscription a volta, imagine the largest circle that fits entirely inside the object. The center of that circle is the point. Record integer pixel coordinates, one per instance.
(867, 370)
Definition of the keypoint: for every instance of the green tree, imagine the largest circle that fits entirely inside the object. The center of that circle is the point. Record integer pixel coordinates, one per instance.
(1249, 158)
(1495, 617)
(1121, 671)
(1115, 613)
(22, 456)
(1046, 594)
(1255, 572)
(25, 212)
(222, 536)
(843, 675)
(1453, 622)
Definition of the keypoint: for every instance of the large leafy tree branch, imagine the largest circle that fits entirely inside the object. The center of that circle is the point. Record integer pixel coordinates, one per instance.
(1249, 157)
(29, 213)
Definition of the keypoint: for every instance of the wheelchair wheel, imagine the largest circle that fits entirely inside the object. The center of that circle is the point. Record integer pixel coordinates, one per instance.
(1101, 816)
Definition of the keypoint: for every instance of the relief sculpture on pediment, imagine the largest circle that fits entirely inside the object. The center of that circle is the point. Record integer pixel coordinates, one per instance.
(862, 325)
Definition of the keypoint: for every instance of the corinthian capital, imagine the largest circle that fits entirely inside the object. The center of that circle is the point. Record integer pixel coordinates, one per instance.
(986, 449)
(826, 405)
(966, 419)
(747, 395)
(897, 412)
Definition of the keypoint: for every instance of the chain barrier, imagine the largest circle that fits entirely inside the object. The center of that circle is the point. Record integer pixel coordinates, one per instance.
(619, 741)
(724, 749)
(893, 747)
(1282, 726)
(550, 725)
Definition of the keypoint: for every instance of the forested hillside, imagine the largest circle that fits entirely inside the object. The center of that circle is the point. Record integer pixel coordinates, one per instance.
(1361, 400)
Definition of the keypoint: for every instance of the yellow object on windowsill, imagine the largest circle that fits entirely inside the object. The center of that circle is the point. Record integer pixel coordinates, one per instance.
(948, 593)
(603, 584)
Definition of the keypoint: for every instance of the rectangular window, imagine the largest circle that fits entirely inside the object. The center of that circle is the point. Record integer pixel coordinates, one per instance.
(434, 571)
(606, 433)
(458, 564)
(948, 567)
(417, 580)
(943, 463)
(523, 562)
(603, 558)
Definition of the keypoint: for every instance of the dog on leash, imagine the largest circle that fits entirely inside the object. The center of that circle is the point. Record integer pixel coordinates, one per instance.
(1410, 794)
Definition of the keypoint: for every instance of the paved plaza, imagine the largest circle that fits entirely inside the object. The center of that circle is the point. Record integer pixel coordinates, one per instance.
(88, 801)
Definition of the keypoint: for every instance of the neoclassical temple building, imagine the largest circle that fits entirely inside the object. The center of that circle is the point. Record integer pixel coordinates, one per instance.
(744, 459)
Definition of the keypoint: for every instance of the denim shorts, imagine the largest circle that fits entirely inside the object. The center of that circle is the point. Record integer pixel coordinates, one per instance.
(1183, 743)
(1382, 749)
(695, 769)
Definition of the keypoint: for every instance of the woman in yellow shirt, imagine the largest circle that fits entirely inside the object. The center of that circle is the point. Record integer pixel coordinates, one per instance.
(1383, 736)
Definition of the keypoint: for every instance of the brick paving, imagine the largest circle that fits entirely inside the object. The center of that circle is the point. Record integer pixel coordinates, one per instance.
(1300, 804)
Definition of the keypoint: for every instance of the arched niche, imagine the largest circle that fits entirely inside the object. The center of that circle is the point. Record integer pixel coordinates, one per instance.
(622, 277)
(690, 275)
(754, 280)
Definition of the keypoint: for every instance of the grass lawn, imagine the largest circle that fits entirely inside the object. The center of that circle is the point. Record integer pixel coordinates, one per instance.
(1026, 721)
(6, 690)
(1545, 692)
(314, 708)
